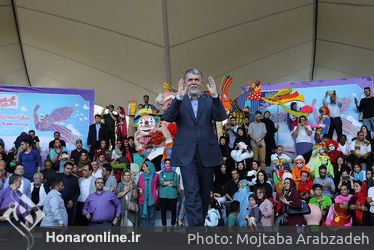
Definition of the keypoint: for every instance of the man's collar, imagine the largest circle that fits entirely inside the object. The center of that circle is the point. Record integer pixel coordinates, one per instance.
(191, 98)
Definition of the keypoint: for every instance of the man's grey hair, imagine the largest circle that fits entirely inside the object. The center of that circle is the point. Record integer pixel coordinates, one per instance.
(38, 174)
(14, 177)
(193, 71)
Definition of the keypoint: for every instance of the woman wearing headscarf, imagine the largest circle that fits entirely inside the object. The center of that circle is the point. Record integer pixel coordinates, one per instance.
(220, 179)
(292, 120)
(168, 185)
(126, 193)
(118, 150)
(121, 130)
(225, 151)
(242, 170)
(83, 160)
(242, 137)
(147, 187)
(131, 147)
(291, 197)
(266, 207)
(262, 182)
(338, 169)
(271, 129)
(358, 205)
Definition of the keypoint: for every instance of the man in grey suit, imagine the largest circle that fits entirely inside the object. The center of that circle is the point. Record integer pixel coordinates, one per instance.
(87, 187)
(195, 147)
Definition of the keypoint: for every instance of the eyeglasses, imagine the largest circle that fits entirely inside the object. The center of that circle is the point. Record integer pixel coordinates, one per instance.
(286, 183)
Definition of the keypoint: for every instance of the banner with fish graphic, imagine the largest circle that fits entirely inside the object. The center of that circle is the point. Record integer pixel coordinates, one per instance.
(45, 110)
(277, 98)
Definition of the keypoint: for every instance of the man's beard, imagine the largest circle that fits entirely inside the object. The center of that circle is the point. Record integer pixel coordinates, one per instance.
(194, 92)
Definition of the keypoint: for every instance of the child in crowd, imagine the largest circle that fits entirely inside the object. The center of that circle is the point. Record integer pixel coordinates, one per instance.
(358, 174)
(254, 213)
(232, 220)
(213, 217)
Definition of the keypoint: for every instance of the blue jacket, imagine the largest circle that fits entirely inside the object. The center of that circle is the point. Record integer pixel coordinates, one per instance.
(192, 131)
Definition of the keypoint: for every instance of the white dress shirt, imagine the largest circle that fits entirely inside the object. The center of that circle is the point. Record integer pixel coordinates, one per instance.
(334, 108)
(85, 189)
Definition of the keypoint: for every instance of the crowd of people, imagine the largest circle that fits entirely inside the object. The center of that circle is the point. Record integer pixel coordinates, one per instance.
(327, 183)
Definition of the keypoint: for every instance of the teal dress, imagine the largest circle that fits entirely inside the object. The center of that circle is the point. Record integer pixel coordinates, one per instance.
(168, 192)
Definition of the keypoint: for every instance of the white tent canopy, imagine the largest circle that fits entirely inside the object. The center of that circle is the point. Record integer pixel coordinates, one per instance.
(127, 48)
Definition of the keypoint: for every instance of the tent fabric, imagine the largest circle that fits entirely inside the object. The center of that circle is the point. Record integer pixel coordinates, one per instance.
(124, 49)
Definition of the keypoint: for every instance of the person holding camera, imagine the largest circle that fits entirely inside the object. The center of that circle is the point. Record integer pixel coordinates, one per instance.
(231, 130)
(366, 107)
(55, 154)
(110, 124)
(334, 107)
(346, 180)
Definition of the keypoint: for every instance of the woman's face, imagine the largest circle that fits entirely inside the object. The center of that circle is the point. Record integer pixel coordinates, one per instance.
(223, 141)
(266, 115)
(119, 144)
(369, 174)
(357, 169)
(131, 142)
(126, 176)
(259, 194)
(357, 188)
(223, 169)
(364, 129)
(167, 165)
(287, 184)
(240, 166)
(101, 158)
(240, 132)
(252, 201)
(345, 173)
(145, 168)
(261, 177)
(340, 161)
(294, 106)
(83, 156)
(254, 165)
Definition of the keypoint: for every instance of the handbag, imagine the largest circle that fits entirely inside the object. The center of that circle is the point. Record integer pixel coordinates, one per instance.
(132, 207)
(305, 209)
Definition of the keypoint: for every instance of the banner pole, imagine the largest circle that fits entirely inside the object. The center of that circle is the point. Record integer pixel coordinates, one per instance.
(277, 122)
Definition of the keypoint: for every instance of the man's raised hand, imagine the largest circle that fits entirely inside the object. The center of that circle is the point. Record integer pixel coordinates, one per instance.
(212, 86)
(181, 88)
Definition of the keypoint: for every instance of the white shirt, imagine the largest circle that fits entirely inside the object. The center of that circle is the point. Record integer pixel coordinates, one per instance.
(363, 149)
(98, 173)
(85, 189)
(302, 135)
(275, 157)
(178, 171)
(334, 108)
(346, 149)
(371, 194)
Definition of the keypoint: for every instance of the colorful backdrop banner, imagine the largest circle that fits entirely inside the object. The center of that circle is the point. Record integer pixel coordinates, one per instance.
(45, 110)
(313, 91)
